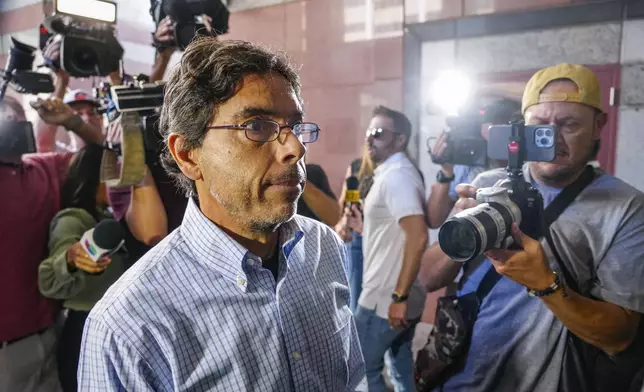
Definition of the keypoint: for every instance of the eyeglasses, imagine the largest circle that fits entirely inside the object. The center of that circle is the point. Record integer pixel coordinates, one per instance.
(268, 130)
(376, 133)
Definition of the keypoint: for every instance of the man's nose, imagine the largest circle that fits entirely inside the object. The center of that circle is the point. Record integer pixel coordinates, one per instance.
(85, 116)
(290, 149)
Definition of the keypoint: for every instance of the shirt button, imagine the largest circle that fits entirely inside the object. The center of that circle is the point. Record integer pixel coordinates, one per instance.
(297, 356)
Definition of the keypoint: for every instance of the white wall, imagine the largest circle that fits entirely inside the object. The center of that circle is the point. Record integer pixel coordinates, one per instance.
(630, 138)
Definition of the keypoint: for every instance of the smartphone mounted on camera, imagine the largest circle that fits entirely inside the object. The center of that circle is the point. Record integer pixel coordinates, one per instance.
(540, 142)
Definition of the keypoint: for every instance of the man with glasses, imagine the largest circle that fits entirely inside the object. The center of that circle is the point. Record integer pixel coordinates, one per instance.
(243, 296)
(394, 238)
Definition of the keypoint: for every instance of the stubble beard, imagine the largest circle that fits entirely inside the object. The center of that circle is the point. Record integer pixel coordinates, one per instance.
(238, 205)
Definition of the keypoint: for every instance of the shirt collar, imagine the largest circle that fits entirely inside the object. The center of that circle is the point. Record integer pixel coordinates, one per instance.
(395, 157)
(211, 245)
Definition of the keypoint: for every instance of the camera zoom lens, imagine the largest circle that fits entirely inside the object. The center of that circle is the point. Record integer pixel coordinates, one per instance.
(545, 142)
(549, 132)
(539, 132)
(473, 231)
(458, 239)
(85, 59)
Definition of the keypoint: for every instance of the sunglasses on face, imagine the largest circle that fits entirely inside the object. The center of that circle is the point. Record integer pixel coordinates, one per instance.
(269, 130)
(377, 133)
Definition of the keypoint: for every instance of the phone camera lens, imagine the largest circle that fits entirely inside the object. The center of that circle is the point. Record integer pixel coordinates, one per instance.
(545, 142)
(549, 132)
(539, 132)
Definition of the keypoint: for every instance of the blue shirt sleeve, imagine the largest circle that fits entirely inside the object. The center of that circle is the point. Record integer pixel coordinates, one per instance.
(108, 363)
(463, 175)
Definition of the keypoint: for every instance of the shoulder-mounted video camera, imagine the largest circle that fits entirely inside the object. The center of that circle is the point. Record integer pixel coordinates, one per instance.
(86, 30)
(140, 96)
(188, 19)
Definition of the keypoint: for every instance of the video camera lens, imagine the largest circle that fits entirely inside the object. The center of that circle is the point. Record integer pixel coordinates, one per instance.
(487, 226)
(84, 59)
(459, 239)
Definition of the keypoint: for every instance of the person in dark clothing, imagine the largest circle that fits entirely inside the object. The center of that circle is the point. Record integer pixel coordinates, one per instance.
(318, 200)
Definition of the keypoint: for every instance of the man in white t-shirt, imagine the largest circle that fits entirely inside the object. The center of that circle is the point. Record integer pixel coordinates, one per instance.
(394, 237)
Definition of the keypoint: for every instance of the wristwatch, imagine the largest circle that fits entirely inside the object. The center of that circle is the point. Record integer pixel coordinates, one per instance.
(443, 179)
(398, 298)
(556, 285)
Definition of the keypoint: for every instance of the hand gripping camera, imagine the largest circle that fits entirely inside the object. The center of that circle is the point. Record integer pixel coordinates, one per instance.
(187, 17)
(468, 234)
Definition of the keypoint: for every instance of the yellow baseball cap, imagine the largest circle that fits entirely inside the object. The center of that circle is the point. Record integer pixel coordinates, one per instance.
(589, 92)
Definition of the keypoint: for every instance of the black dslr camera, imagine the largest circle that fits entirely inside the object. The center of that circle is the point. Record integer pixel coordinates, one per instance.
(465, 145)
(187, 17)
(468, 234)
(88, 43)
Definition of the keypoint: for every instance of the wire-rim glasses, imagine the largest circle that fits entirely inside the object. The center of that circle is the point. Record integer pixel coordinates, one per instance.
(268, 130)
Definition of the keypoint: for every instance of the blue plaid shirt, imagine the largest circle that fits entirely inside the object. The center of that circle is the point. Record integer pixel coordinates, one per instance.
(199, 312)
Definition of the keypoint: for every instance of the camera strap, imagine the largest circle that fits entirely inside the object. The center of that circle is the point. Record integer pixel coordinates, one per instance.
(556, 208)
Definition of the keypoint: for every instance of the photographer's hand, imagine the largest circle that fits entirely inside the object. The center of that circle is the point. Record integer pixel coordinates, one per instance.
(528, 267)
(467, 197)
(51, 52)
(438, 149)
(605, 325)
(53, 111)
(163, 34)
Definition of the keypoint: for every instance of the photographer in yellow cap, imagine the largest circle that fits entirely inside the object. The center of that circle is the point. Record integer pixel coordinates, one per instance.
(578, 301)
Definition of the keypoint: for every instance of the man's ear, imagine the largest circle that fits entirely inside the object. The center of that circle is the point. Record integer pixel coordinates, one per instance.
(185, 158)
(401, 140)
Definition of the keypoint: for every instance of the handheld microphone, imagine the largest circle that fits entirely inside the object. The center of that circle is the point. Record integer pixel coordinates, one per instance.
(352, 195)
(103, 240)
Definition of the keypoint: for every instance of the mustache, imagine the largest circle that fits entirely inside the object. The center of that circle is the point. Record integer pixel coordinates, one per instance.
(292, 174)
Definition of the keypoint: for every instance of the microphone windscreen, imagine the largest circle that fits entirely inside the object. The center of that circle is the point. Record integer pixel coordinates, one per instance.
(108, 234)
(353, 183)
